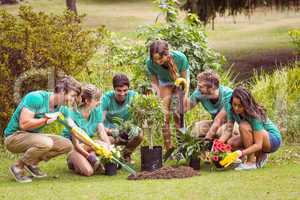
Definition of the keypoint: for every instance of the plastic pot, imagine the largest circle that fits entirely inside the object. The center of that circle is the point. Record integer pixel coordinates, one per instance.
(151, 159)
(195, 163)
(110, 169)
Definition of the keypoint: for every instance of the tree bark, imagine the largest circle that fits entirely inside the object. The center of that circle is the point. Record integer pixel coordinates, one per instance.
(71, 5)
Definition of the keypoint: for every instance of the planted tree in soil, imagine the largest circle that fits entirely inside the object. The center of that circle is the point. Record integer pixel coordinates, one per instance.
(147, 112)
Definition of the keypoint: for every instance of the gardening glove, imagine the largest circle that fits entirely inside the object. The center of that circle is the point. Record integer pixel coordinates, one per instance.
(71, 123)
(230, 158)
(93, 160)
(115, 132)
(134, 132)
(182, 84)
(51, 117)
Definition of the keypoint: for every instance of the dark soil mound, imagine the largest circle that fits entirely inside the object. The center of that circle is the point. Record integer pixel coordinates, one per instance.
(165, 173)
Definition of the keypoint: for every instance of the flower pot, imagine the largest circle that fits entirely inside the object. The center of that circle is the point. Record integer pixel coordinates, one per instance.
(218, 165)
(151, 159)
(110, 169)
(195, 163)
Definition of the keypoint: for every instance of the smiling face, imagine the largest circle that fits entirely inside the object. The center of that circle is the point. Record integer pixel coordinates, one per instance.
(158, 59)
(237, 106)
(69, 98)
(207, 91)
(121, 93)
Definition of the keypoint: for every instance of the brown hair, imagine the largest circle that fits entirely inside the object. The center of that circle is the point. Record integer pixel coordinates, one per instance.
(210, 78)
(90, 92)
(67, 84)
(161, 47)
(251, 107)
(120, 80)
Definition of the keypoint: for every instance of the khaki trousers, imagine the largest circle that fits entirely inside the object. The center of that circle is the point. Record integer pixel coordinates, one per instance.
(37, 147)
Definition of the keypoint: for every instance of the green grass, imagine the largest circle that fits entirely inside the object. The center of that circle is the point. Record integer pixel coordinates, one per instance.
(278, 180)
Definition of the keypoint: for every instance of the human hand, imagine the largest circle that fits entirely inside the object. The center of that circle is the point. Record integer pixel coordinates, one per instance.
(51, 117)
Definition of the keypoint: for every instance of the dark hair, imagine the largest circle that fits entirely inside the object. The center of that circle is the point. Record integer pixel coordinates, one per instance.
(161, 47)
(67, 84)
(210, 78)
(90, 92)
(120, 80)
(252, 108)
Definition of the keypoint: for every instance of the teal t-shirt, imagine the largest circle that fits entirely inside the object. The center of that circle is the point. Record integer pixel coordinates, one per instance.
(213, 109)
(89, 125)
(256, 124)
(37, 102)
(114, 109)
(163, 74)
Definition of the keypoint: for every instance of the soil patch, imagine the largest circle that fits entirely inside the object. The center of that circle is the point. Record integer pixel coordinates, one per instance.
(244, 67)
(166, 173)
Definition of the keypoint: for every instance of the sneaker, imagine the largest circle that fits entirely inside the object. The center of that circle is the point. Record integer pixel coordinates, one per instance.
(244, 166)
(18, 174)
(263, 160)
(35, 171)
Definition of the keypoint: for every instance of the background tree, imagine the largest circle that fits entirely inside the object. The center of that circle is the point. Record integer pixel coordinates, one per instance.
(207, 10)
(71, 5)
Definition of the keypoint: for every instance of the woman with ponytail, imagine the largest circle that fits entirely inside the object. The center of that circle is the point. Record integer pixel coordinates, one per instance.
(164, 67)
(88, 116)
(259, 135)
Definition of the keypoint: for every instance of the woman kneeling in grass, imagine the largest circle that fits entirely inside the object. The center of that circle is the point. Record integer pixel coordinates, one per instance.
(82, 160)
(259, 135)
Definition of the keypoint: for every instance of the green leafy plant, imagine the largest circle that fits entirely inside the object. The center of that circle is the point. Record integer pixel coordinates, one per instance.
(35, 47)
(295, 36)
(189, 38)
(147, 113)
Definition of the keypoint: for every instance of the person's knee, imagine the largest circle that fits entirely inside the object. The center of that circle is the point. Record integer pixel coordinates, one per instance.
(45, 144)
(67, 145)
(87, 172)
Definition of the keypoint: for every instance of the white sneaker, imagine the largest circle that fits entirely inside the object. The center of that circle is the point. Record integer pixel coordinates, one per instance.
(243, 166)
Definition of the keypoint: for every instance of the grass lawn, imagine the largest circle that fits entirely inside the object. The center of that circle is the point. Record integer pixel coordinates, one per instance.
(278, 180)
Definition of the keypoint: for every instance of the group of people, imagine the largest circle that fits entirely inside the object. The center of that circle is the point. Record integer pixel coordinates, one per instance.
(236, 118)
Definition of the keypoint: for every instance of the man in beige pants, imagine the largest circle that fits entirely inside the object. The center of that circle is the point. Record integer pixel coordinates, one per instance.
(22, 134)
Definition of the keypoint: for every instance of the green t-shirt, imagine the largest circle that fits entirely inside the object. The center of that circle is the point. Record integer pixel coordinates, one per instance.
(37, 102)
(164, 74)
(213, 109)
(114, 109)
(89, 125)
(256, 124)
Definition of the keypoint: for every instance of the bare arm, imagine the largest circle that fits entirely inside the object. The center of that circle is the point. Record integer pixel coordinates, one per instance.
(102, 133)
(155, 84)
(28, 122)
(217, 123)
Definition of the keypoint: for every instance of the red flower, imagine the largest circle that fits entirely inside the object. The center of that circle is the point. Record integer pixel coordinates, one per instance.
(215, 158)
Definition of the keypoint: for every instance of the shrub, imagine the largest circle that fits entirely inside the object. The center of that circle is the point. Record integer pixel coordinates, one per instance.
(188, 37)
(295, 36)
(279, 93)
(35, 47)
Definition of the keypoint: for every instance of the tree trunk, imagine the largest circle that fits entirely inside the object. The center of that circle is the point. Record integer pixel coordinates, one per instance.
(71, 5)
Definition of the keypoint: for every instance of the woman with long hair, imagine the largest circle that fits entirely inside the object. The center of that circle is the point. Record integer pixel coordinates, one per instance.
(88, 116)
(259, 135)
(165, 66)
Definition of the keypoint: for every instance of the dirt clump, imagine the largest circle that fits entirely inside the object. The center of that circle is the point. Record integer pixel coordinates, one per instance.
(165, 173)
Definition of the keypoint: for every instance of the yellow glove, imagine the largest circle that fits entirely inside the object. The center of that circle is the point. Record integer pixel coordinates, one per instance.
(181, 82)
(230, 158)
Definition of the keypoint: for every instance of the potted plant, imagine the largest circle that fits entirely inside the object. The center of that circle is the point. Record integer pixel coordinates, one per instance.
(218, 152)
(147, 112)
(190, 148)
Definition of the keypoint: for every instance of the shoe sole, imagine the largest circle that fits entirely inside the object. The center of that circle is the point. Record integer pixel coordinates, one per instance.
(34, 175)
(19, 181)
